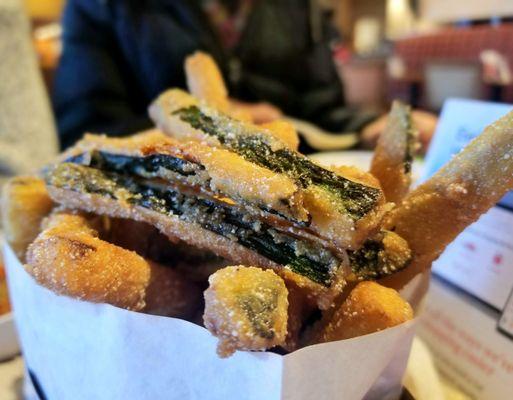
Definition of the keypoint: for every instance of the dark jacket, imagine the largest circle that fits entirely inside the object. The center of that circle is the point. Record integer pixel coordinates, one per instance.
(119, 55)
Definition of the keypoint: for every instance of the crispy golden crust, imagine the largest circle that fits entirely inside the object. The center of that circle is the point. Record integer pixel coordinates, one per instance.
(433, 214)
(338, 227)
(327, 220)
(167, 103)
(369, 308)
(70, 259)
(246, 309)
(162, 112)
(25, 202)
(392, 157)
(365, 227)
(136, 145)
(396, 251)
(237, 178)
(242, 181)
(205, 81)
(284, 131)
(171, 226)
(256, 186)
(240, 113)
(381, 255)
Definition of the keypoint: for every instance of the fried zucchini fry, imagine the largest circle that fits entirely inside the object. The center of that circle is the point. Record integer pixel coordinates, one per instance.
(273, 196)
(69, 258)
(343, 210)
(154, 155)
(369, 308)
(241, 180)
(25, 202)
(206, 224)
(246, 309)
(205, 81)
(356, 175)
(394, 153)
(433, 214)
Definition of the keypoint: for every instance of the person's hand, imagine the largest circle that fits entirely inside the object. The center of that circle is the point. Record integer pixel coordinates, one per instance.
(424, 121)
(259, 113)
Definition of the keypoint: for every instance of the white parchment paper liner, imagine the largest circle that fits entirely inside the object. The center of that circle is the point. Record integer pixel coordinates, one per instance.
(81, 350)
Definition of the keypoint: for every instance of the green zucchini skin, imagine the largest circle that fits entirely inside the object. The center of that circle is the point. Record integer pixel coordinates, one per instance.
(151, 166)
(365, 261)
(371, 261)
(141, 166)
(260, 312)
(319, 265)
(353, 198)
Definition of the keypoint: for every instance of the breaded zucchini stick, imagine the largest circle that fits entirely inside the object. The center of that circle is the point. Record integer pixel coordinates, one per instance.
(69, 258)
(394, 153)
(205, 81)
(472, 182)
(274, 196)
(25, 202)
(343, 210)
(246, 309)
(204, 223)
(369, 308)
(155, 155)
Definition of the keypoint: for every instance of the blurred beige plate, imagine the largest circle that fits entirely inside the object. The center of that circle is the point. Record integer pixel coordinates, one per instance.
(9, 346)
(321, 139)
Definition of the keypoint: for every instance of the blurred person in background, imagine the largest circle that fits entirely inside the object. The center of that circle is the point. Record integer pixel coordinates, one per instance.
(119, 55)
(27, 133)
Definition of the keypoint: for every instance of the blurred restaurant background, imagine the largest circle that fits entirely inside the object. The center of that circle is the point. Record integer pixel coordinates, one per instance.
(419, 51)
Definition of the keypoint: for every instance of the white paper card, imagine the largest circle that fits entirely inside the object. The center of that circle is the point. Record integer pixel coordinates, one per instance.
(80, 350)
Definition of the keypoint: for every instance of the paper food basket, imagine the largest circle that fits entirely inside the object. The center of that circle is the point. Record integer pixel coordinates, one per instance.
(81, 350)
